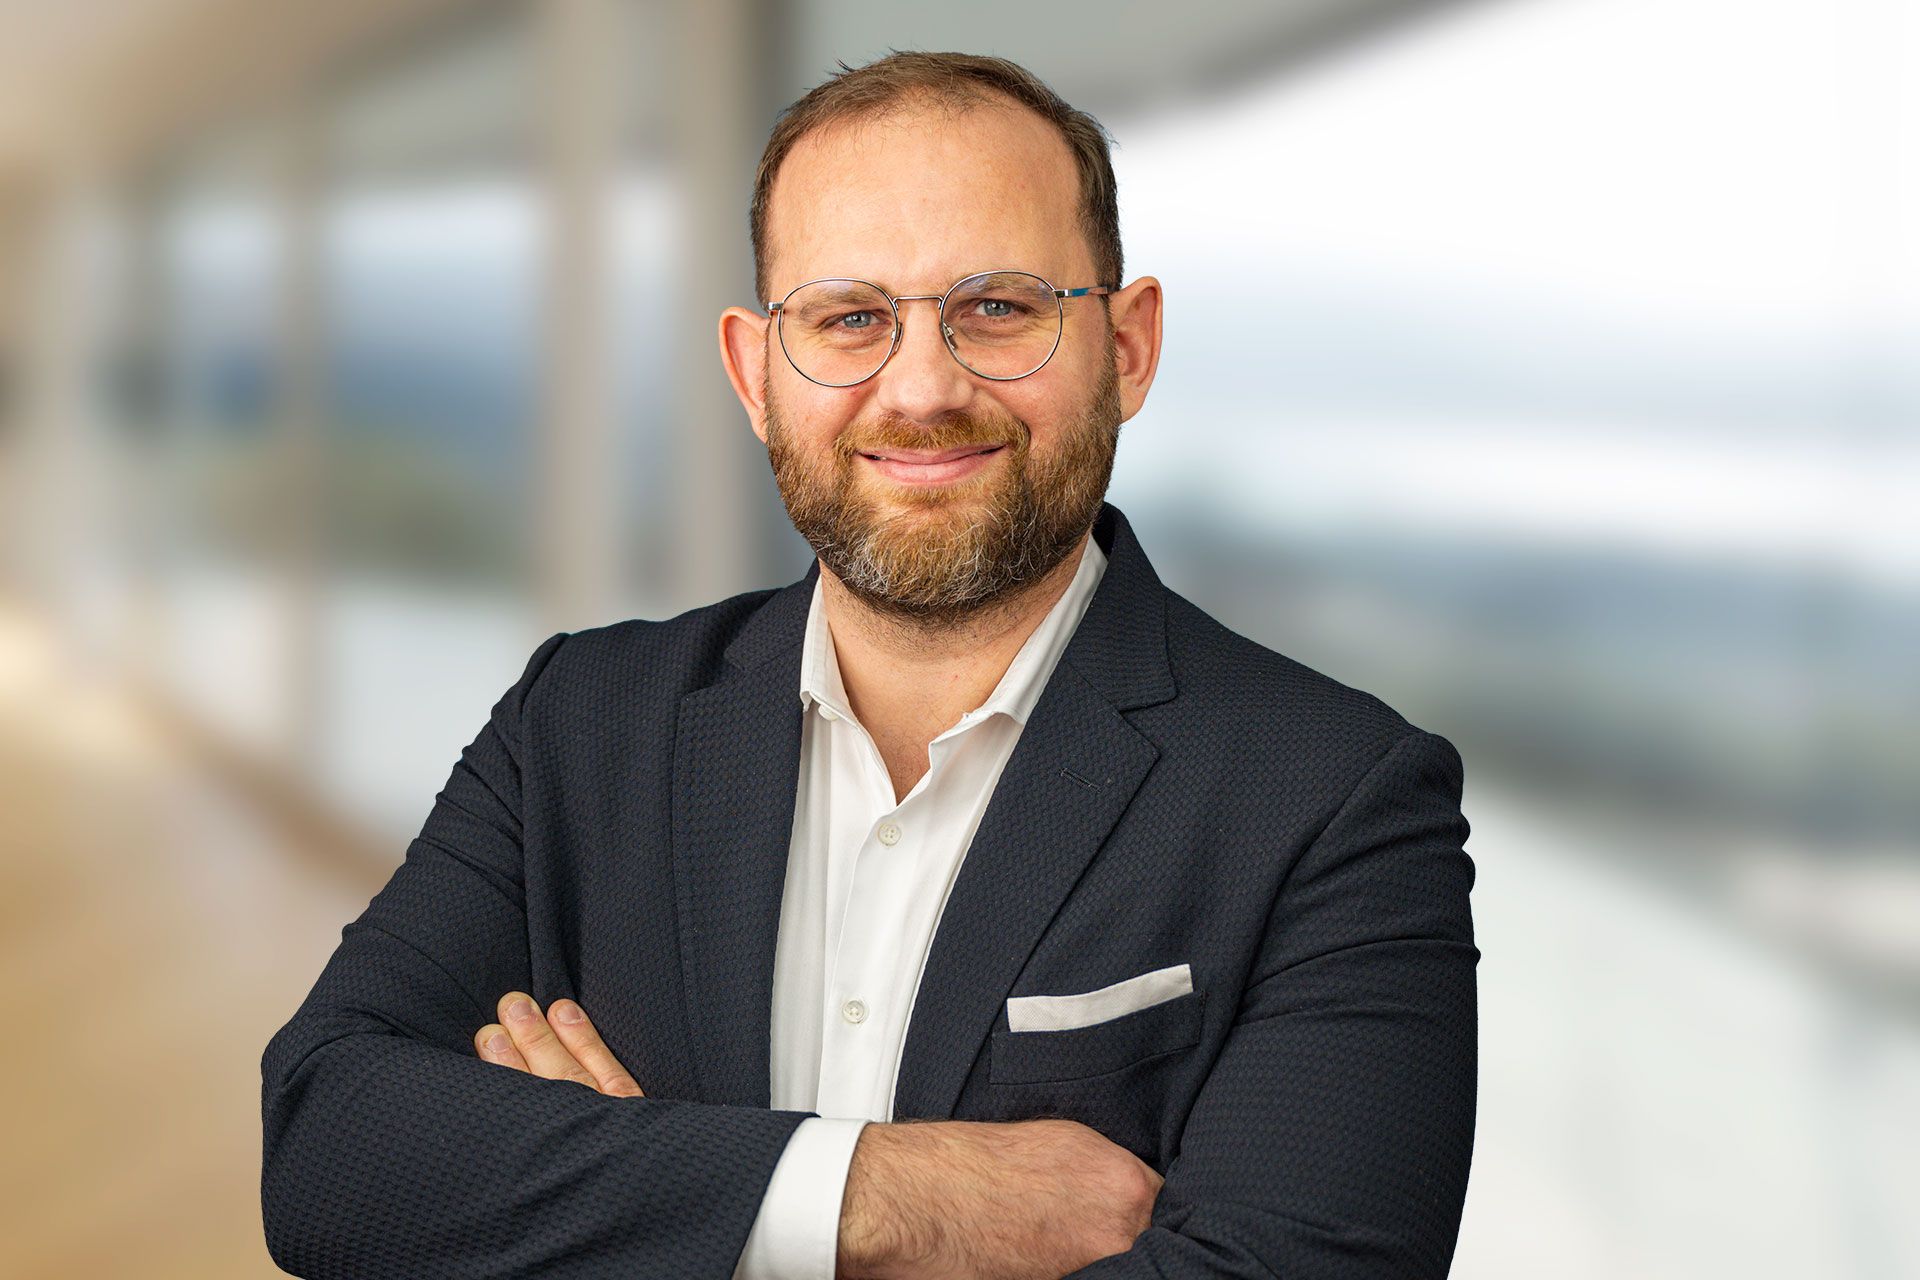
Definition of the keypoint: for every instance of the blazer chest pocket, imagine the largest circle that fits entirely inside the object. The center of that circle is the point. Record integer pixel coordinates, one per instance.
(1035, 1057)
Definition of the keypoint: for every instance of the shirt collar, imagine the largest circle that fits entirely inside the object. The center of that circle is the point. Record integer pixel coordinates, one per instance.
(1019, 688)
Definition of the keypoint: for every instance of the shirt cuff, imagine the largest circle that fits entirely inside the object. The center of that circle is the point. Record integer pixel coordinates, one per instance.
(797, 1233)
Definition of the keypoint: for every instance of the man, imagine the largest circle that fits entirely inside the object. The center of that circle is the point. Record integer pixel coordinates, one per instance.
(974, 906)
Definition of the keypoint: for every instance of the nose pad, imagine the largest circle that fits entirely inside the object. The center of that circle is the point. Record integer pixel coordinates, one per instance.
(947, 334)
(922, 387)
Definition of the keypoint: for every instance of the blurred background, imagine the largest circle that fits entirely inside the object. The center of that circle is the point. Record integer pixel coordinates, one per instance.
(1545, 367)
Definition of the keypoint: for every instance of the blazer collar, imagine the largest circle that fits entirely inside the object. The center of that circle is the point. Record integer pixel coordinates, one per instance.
(1072, 774)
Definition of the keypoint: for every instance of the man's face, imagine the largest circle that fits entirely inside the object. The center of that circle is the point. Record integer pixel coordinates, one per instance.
(914, 203)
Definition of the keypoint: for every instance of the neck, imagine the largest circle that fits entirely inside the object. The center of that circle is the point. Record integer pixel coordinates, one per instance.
(903, 678)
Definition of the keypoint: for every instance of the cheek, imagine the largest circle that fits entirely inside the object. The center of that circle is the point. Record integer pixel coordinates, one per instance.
(1070, 376)
(810, 416)
(1047, 408)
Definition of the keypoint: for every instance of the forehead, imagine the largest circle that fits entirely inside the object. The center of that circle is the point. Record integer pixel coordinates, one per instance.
(918, 198)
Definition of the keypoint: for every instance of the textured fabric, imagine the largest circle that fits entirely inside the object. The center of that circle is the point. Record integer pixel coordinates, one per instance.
(866, 878)
(618, 833)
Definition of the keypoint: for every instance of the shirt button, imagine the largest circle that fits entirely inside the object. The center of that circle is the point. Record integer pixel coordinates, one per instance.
(889, 834)
(854, 1011)
(829, 713)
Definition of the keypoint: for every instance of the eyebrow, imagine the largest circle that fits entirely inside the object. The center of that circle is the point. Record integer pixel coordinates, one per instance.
(998, 277)
(843, 293)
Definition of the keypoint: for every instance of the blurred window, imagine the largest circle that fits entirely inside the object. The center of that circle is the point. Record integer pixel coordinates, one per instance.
(209, 496)
(431, 229)
(1562, 404)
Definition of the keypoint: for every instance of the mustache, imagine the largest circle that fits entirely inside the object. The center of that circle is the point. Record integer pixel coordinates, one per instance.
(948, 433)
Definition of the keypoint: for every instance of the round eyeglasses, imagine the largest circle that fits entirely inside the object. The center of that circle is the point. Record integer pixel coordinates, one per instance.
(1001, 325)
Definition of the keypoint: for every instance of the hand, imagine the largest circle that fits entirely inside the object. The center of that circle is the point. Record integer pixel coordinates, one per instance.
(1029, 1200)
(562, 1047)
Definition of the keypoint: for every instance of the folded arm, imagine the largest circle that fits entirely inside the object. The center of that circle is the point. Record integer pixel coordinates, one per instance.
(1332, 1139)
(390, 1149)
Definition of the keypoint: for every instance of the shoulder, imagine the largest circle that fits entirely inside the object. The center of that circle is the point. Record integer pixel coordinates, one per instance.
(642, 658)
(1263, 712)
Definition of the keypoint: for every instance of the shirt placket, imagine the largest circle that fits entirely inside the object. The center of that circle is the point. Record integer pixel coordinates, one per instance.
(864, 1002)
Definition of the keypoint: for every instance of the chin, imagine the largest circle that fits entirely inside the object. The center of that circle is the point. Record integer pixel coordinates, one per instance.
(970, 489)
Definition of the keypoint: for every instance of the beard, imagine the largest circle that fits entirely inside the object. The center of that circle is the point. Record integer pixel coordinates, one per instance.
(933, 555)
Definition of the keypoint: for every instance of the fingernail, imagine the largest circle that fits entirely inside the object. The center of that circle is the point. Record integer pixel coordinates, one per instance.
(520, 1009)
(565, 1011)
(497, 1042)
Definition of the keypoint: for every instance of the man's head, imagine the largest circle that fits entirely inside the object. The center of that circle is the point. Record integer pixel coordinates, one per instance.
(912, 173)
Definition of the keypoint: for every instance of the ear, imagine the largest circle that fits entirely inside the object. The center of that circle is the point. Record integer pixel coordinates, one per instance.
(1136, 312)
(743, 351)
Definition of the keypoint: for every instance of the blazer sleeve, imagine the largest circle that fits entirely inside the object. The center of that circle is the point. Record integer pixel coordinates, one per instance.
(1332, 1138)
(390, 1149)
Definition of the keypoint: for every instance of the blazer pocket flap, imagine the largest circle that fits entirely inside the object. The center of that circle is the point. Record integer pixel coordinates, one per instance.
(1032, 1057)
(1066, 1013)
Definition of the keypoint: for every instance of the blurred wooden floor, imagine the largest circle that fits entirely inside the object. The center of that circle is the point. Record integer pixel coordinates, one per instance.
(155, 930)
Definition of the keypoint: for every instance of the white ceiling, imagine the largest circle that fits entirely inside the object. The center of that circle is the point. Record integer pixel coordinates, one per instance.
(61, 59)
(1110, 57)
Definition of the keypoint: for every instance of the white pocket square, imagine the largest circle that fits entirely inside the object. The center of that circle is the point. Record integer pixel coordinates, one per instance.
(1065, 1013)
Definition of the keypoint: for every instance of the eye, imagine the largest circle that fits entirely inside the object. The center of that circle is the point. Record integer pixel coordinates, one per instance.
(997, 308)
(856, 321)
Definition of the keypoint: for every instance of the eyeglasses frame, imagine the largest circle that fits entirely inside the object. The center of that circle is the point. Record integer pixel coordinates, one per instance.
(775, 310)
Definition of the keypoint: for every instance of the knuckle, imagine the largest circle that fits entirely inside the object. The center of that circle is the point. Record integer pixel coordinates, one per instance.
(581, 1040)
(1128, 1184)
(535, 1051)
(1148, 1184)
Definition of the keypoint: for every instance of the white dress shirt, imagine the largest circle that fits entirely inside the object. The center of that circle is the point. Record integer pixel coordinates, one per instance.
(867, 879)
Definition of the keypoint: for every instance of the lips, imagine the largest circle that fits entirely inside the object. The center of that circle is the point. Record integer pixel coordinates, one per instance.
(925, 457)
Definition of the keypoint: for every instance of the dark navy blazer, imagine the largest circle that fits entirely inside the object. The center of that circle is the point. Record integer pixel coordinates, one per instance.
(618, 831)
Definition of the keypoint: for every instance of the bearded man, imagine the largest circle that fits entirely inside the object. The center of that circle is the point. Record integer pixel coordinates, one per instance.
(974, 906)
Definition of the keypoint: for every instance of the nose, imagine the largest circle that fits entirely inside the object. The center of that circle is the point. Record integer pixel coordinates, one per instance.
(922, 381)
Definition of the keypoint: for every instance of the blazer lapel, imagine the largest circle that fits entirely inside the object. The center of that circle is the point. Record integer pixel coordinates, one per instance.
(1070, 777)
(736, 764)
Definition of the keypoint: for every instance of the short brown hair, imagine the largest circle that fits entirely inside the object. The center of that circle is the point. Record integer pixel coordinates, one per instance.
(953, 81)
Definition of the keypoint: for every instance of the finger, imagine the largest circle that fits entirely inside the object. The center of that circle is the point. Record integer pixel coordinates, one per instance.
(576, 1031)
(535, 1040)
(493, 1044)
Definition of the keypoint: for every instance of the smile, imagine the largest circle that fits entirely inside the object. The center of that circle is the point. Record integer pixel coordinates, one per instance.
(911, 466)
